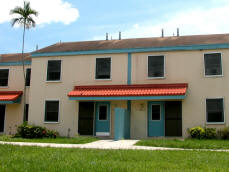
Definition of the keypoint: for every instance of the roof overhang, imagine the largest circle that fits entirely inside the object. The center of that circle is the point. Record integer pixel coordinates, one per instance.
(10, 97)
(130, 92)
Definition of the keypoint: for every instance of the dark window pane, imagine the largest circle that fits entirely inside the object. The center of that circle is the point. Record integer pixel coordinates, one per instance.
(215, 110)
(103, 112)
(2, 117)
(54, 70)
(51, 111)
(213, 64)
(26, 112)
(28, 73)
(156, 66)
(4, 73)
(103, 68)
(156, 112)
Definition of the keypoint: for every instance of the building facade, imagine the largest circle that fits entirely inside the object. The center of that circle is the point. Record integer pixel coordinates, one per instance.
(165, 86)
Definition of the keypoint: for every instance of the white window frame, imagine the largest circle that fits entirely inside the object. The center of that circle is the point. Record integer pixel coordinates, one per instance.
(50, 122)
(108, 79)
(151, 112)
(160, 77)
(8, 78)
(61, 68)
(212, 76)
(209, 123)
(99, 111)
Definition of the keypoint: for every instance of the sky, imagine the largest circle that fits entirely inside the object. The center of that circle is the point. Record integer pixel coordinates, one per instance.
(83, 20)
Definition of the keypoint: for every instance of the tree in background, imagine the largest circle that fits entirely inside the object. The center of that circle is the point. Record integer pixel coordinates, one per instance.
(25, 19)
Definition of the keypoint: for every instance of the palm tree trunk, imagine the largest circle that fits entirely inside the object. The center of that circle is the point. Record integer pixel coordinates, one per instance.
(23, 66)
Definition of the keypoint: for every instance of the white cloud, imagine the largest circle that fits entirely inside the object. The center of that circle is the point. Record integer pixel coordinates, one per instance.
(49, 11)
(190, 22)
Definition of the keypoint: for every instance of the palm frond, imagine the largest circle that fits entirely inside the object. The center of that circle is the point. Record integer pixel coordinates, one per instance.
(30, 23)
(19, 21)
(17, 10)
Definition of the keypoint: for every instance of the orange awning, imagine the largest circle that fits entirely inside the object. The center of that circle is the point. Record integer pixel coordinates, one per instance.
(128, 92)
(9, 97)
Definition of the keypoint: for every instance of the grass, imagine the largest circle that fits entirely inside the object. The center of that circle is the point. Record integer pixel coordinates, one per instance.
(63, 140)
(26, 159)
(186, 143)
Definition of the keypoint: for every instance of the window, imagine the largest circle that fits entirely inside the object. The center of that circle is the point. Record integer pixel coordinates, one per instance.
(26, 112)
(155, 112)
(214, 108)
(4, 73)
(103, 68)
(27, 79)
(103, 112)
(54, 70)
(51, 111)
(213, 64)
(156, 66)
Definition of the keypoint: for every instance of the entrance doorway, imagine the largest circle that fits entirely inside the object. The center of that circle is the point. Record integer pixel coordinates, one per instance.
(86, 118)
(2, 118)
(173, 118)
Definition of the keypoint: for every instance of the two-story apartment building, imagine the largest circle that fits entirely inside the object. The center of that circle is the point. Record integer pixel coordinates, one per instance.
(167, 85)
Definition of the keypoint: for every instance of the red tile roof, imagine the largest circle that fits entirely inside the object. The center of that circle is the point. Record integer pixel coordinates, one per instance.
(10, 95)
(129, 90)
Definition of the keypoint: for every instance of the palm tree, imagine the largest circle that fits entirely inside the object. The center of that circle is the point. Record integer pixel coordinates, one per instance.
(26, 20)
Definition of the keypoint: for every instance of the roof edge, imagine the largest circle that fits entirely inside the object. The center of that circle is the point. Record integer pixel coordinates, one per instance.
(15, 63)
(135, 50)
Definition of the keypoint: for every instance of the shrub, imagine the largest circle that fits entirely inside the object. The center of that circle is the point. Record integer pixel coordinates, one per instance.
(197, 132)
(33, 131)
(223, 133)
(209, 133)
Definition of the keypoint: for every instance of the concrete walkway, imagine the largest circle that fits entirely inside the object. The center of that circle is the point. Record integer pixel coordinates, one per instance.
(105, 144)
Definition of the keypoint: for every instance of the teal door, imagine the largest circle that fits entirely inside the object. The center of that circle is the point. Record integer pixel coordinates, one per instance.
(156, 119)
(102, 119)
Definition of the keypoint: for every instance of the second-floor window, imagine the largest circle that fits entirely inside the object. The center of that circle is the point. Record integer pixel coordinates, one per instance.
(213, 64)
(4, 74)
(103, 68)
(156, 66)
(54, 70)
(27, 79)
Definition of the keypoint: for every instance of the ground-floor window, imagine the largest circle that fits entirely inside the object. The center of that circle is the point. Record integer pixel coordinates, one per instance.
(215, 110)
(26, 112)
(103, 112)
(2, 118)
(155, 112)
(51, 110)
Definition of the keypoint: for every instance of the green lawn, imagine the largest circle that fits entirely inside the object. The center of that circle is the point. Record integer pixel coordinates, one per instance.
(187, 143)
(37, 159)
(63, 140)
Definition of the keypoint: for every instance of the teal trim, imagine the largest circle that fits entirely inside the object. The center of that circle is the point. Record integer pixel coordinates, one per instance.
(135, 50)
(129, 68)
(130, 98)
(14, 63)
(102, 125)
(18, 100)
(121, 126)
(156, 128)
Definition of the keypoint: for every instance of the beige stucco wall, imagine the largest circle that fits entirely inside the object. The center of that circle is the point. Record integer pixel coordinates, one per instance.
(14, 112)
(138, 119)
(76, 70)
